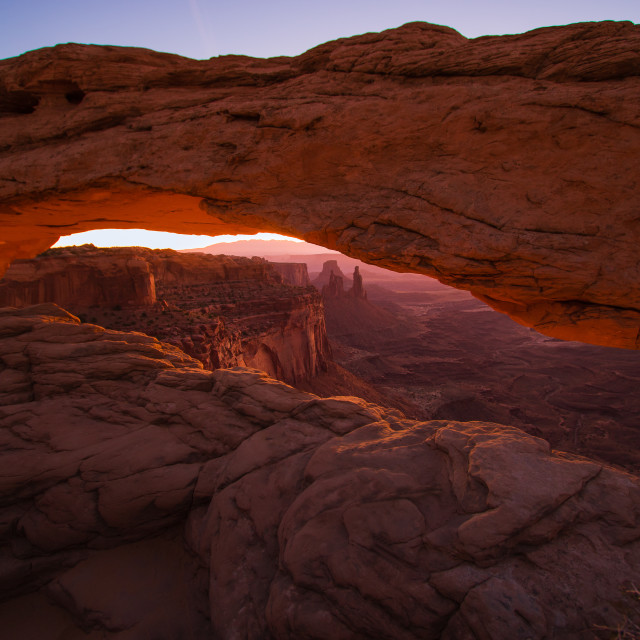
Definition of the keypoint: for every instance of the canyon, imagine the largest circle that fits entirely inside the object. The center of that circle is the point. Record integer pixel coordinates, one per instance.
(225, 311)
(437, 352)
(142, 495)
(451, 357)
(144, 464)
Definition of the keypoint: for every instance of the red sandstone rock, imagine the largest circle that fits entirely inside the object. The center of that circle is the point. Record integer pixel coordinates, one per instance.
(329, 518)
(503, 165)
(358, 290)
(293, 273)
(349, 314)
(329, 268)
(80, 282)
(84, 277)
(295, 347)
(335, 288)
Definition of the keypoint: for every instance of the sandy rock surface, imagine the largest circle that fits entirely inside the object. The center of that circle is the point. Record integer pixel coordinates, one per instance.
(294, 516)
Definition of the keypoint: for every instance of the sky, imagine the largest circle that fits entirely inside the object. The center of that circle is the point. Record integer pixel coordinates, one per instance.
(265, 28)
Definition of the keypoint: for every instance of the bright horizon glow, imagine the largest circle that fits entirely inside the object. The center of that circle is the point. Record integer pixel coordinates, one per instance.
(156, 239)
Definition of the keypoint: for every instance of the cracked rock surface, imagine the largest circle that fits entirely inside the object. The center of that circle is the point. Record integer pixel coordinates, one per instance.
(142, 496)
(502, 165)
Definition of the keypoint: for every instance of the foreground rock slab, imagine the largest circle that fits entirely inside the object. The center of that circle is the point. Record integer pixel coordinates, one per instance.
(268, 512)
(502, 165)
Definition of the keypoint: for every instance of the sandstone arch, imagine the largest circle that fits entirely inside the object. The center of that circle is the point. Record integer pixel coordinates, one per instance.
(503, 165)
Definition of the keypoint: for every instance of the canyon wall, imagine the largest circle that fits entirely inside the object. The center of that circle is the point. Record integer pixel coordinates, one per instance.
(79, 282)
(147, 497)
(225, 311)
(82, 277)
(502, 165)
(294, 346)
(293, 273)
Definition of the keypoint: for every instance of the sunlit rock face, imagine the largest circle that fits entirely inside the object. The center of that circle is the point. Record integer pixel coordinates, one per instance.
(503, 165)
(99, 281)
(143, 496)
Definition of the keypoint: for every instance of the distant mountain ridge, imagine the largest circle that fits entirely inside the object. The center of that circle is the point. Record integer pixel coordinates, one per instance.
(262, 248)
(315, 256)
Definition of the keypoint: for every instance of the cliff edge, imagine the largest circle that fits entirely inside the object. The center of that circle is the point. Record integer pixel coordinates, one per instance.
(284, 507)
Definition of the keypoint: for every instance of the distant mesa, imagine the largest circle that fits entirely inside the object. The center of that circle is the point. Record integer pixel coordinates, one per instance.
(263, 248)
(335, 282)
(329, 268)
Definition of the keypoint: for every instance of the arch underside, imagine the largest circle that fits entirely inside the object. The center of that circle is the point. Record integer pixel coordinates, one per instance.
(481, 163)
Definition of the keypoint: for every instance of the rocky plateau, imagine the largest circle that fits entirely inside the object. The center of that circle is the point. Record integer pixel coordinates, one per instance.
(148, 497)
(225, 311)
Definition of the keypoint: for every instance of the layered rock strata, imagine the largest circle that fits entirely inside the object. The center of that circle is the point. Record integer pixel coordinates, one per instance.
(128, 473)
(293, 273)
(502, 165)
(86, 277)
(225, 311)
(80, 282)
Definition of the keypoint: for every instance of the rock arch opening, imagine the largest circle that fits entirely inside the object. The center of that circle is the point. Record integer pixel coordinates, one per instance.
(533, 211)
(398, 340)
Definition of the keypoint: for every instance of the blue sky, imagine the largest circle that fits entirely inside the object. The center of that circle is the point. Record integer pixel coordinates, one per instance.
(265, 28)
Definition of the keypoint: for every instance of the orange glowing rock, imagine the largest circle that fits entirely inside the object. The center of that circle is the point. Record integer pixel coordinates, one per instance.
(507, 165)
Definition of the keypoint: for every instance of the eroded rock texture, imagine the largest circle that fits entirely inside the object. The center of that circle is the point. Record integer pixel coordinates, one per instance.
(298, 516)
(293, 273)
(503, 165)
